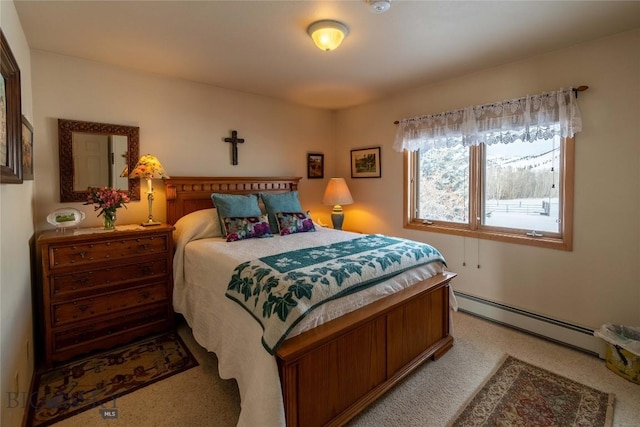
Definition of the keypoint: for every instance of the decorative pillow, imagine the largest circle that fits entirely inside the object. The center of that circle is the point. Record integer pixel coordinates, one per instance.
(294, 222)
(280, 202)
(235, 205)
(241, 228)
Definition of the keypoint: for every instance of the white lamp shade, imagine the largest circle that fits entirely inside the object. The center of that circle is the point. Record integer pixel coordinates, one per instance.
(327, 34)
(337, 193)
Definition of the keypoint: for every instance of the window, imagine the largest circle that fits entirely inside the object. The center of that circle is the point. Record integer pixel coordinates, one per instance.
(515, 187)
(520, 186)
(515, 197)
(442, 185)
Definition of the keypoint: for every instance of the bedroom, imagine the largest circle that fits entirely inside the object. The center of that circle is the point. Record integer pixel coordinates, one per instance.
(597, 282)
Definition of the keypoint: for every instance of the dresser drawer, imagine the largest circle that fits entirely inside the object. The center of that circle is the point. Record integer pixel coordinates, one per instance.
(104, 328)
(91, 280)
(65, 255)
(102, 289)
(87, 308)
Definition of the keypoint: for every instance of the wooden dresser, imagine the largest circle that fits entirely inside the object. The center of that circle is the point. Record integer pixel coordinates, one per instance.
(100, 289)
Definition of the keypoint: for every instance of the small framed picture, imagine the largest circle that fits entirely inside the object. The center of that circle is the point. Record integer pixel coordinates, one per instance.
(27, 150)
(365, 163)
(315, 165)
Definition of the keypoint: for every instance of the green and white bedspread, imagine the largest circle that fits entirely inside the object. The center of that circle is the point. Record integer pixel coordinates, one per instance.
(280, 290)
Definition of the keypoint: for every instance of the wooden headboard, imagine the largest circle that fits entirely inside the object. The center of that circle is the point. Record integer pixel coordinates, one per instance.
(189, 194)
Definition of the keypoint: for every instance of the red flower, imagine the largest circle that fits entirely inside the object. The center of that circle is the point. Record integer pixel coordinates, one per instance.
(107, 200)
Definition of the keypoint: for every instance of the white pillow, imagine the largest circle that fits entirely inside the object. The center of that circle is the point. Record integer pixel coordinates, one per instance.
(196, 225)
(200, 224)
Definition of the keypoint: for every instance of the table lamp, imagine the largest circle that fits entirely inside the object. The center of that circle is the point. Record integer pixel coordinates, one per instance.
(149, 168)
(337, 194)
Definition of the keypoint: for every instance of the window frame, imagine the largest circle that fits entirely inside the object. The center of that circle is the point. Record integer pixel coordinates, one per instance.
(562, 240)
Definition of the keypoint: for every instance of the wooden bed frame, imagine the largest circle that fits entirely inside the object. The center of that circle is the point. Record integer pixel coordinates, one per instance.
(334, 371)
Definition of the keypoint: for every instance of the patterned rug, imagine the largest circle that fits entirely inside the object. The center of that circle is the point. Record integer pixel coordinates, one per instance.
(520, 394)
(99, 380)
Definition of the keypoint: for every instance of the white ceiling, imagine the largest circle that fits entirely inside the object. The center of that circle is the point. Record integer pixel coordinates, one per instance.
(262, 47)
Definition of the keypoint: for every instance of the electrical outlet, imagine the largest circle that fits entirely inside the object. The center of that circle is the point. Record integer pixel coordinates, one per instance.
(16, 383)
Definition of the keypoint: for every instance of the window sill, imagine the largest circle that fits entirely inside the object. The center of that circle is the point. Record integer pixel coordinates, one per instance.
(543, 242)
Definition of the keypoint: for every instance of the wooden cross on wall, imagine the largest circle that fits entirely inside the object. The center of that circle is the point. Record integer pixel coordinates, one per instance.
(234, 140)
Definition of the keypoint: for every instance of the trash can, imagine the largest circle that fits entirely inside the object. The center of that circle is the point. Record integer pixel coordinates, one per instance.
(623, 350)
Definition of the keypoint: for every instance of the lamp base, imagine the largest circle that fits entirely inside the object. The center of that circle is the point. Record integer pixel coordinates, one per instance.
(337, 217)
(150, 221)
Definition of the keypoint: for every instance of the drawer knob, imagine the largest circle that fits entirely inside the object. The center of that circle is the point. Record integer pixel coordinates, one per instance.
(83, 308)
(145, 294)
(82, 254)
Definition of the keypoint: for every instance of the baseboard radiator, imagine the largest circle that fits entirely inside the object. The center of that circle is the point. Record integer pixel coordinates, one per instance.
(575, 336)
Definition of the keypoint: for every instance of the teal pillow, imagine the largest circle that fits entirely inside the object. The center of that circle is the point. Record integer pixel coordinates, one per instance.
(280, 202)
(235, 205)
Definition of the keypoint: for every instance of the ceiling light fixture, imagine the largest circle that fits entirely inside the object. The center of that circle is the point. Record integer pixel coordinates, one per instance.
(327, 34)
(379, 6)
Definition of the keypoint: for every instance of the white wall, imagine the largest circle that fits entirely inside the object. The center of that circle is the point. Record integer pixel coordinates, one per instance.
(182, 123)
(599, 281)
(16, 230)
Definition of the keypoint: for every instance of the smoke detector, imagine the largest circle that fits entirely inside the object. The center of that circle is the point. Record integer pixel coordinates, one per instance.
(379, 6)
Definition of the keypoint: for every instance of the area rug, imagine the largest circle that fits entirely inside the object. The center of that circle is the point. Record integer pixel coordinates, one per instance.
(520, 394)
(99, 380)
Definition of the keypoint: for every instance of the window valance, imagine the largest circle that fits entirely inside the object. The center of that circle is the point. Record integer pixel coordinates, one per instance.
(530, 118)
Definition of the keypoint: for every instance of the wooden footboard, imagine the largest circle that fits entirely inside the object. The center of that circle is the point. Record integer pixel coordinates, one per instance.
(331, 373)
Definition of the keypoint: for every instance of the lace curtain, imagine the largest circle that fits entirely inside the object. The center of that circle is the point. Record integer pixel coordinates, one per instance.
(530, 118)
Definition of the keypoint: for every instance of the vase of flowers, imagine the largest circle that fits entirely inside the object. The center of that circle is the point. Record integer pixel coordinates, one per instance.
(107, 200)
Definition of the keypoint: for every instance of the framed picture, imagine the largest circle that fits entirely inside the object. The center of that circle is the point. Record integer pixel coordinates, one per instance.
(10, 117)
(27, 150)
(315, 165)
(365, 163)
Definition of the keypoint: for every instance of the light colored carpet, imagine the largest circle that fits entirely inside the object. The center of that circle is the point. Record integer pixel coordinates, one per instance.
(429, 398)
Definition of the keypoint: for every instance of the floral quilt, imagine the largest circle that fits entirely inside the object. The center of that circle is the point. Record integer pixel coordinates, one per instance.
(280, 290)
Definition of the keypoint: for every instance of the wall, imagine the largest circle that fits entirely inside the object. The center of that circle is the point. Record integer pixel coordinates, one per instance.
(16, 230)
(182, 123)
(599, 281)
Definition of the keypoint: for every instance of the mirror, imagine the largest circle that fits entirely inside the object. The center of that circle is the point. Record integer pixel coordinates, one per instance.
(94, 155)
